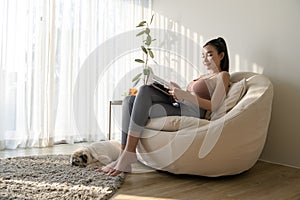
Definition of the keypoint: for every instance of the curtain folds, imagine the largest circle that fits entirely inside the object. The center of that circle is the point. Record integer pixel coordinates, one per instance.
(44, 43)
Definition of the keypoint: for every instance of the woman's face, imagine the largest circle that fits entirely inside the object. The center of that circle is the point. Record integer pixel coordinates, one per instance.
(211, 58)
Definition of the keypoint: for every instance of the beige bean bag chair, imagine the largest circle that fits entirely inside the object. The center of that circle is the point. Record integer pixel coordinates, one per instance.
(225, 145)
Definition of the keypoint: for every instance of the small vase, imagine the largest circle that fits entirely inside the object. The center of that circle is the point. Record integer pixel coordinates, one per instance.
(132, 92)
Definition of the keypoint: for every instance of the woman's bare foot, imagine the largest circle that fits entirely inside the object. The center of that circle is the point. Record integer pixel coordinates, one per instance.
(108, 167)
(123, 163)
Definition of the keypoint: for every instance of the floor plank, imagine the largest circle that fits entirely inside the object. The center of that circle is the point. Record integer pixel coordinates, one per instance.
(263, 181)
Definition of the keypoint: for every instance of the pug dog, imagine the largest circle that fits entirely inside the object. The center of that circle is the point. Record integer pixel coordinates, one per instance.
(96, 154)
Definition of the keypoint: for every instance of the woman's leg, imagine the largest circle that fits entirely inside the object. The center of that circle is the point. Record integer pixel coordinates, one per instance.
(135, 113)
(127, 106)
(128, 156)
(150, 103)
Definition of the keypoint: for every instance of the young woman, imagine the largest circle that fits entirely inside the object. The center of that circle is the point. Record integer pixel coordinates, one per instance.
(205, 93)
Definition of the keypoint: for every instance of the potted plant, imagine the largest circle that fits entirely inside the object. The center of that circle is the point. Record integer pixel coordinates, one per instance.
(147, 53)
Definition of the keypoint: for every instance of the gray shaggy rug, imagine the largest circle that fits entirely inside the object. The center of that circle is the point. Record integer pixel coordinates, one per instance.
(53, 177)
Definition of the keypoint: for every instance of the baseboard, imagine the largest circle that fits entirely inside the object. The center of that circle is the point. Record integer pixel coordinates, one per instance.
(296, 167)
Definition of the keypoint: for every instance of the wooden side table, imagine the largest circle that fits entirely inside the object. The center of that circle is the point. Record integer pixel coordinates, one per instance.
(112, 103)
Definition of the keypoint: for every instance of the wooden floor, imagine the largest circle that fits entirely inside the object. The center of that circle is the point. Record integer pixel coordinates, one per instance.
(263, 182)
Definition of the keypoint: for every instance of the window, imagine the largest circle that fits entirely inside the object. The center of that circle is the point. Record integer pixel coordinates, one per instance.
(44, 45)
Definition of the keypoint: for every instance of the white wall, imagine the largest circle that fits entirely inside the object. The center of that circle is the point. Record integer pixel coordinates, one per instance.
(262, 36)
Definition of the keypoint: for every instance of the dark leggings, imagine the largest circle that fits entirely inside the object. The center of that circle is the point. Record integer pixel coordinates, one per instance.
(151, 103)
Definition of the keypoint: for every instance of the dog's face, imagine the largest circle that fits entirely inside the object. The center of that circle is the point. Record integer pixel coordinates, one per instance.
(81, 158)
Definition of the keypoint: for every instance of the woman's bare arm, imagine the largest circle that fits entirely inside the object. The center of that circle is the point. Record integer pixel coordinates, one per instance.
(223, 81)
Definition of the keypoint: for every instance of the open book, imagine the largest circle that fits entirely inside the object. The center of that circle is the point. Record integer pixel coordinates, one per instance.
(163, 86)
(160, 84)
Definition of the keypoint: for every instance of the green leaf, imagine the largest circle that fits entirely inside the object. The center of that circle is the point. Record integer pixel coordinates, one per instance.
(142, 23)
(147, 31)
(139, 61)
(140, 33)
(151, 70)
(151, 53)
(144, 49)
(137, 77)
(136, 82)
(151, 18)
(146, 71)
(148, 40)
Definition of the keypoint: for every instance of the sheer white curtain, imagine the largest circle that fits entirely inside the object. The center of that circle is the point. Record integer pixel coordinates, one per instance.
(43, 46)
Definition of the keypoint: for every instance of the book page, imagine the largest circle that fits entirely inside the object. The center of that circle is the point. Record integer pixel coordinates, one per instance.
(161, 81)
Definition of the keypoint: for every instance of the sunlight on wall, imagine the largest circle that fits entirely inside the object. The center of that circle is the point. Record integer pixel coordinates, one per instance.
(237, 62)
(179, 62)
(243, 65)
(256, 68)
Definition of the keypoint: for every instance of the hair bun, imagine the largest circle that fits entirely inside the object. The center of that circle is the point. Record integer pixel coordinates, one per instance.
(221, 39)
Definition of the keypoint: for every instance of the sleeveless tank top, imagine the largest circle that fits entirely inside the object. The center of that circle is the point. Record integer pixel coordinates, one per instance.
(202, 87)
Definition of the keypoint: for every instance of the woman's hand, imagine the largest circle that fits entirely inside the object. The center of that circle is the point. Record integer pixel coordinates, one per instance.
(174, 86)
(178, 94)
(172, 93)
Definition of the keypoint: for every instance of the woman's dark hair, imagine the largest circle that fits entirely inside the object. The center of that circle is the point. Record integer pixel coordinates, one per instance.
(221, 46)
